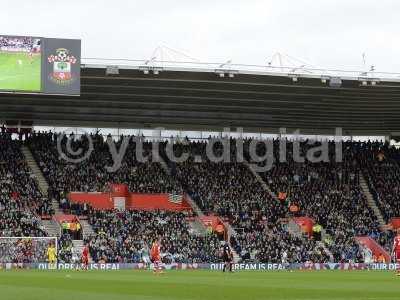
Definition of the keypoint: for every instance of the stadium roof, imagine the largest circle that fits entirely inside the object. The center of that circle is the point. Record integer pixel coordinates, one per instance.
(149, 94)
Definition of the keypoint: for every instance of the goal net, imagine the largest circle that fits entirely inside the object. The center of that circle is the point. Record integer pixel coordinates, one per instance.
(25, 250)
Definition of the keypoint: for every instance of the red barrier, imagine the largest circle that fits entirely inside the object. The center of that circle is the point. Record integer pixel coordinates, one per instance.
(306, 224)
(373, 246)
(119, 190)
(133, 201)
(96, 200)
(65, 218)
(155, 202)
(213, 221)
(395, 222)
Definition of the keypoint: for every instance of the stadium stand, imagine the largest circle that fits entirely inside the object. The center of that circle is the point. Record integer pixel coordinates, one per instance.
(327, 192)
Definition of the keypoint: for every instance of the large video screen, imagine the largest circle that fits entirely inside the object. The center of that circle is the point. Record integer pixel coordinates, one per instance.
(40, 65)
(20, 63)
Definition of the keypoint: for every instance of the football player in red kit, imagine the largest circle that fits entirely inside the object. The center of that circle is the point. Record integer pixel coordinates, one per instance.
(85, 257)
(396, 251)
(155, 254)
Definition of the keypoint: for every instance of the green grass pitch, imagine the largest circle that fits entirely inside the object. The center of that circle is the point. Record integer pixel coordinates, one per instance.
(19, 72)
(204, 285)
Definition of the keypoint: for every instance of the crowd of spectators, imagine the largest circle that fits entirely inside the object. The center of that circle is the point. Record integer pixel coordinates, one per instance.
(382, 171)
(92, 174)
(127, 237)
(230, 190)
(19, 222)
(274, 244)
(13, 43)
(24, 250)
(21, 202)
(327, 191)
(17, 182)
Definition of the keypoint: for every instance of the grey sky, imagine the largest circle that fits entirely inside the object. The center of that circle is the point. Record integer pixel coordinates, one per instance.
(323, 33)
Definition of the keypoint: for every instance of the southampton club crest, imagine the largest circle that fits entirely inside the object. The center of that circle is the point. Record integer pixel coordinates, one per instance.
(62, 63)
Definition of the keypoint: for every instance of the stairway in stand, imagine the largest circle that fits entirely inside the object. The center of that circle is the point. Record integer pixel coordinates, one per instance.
(78, 248)
(236, 256)
(371, 201)
(294, 229)
(87, 229)
(52, 228)
(56, 207)
(327, 251)
(197, 228)
(41, 180)
(260, 180)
